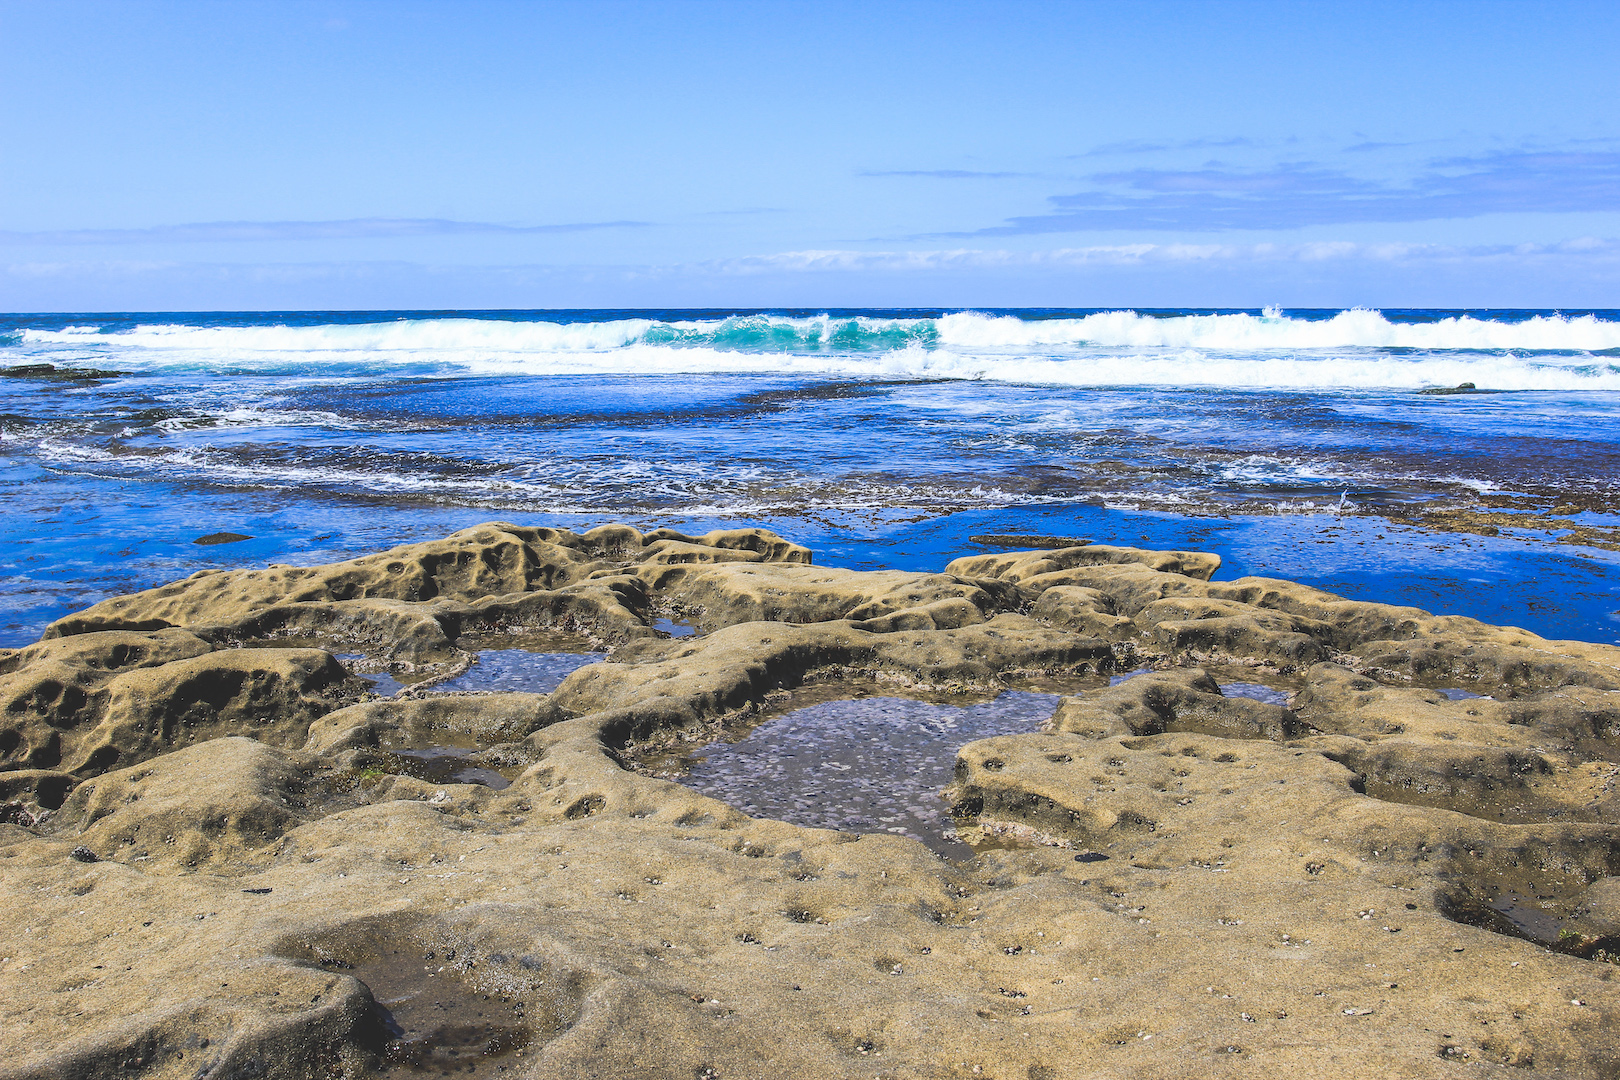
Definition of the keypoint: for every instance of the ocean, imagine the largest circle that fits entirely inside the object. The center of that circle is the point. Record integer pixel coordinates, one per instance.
(1326, 446)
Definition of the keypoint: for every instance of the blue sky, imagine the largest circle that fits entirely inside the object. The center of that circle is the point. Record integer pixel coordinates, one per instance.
(175, 156)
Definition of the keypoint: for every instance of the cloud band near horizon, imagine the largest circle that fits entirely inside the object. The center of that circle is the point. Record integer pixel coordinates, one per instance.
(1220, 199)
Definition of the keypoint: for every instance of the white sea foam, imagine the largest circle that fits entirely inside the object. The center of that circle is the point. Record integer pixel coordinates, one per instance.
(243, 416)
(1353, 349)
(627, 485)
(1358, 328)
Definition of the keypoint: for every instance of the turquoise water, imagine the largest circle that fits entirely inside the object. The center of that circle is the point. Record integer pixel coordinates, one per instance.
(1285, 441)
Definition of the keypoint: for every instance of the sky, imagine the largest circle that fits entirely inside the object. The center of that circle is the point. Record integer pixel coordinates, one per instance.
(319, 154)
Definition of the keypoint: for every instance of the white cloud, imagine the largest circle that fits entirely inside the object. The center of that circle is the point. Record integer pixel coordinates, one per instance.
(954, 259)
(1578, 272)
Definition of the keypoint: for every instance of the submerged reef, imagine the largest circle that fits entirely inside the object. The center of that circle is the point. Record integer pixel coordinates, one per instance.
(224, 854)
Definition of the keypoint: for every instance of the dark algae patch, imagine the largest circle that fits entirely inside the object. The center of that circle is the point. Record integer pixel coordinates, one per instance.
(1460, 388)
(1009, 540)
(221, 538)
(52, 373)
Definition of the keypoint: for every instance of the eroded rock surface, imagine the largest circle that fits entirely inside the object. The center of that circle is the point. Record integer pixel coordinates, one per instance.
(222, 855)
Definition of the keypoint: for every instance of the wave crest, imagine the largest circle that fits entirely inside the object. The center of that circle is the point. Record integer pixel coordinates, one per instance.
(1357, 348)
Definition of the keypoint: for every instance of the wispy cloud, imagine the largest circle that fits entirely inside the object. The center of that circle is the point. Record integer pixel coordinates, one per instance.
(1371, 145)
(1579, 273)
(844, 261)
(1216, 199)
(1151, 146)
(1592, 249)
(951, 174)
(250, 231)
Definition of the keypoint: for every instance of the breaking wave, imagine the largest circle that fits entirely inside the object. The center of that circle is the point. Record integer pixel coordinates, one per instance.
(1355, 348)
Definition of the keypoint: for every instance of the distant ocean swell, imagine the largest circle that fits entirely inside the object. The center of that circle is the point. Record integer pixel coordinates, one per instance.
(1351, 349)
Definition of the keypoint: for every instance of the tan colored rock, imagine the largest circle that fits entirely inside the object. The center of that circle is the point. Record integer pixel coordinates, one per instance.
(488, 561)
(84, 722)
(1291, 623)
(439, 719)
(1377, 880)
(682, 683)
(219, 803)
(29, 796)
(1083, 610)
(720, 595)
(1022, 566)
(1474, 754)
(1183, 700)
(1184, 624)
(108, 653)
(412, 634)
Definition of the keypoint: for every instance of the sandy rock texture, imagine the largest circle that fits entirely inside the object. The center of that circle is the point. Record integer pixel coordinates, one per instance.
(223, 856)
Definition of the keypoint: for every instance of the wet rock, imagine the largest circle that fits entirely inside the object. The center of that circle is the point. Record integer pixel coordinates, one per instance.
(1010, 540)
(52, 373)
(1460, 388)
(221, 538)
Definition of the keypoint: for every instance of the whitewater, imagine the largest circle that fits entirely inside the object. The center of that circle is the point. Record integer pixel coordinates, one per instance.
(1356, 348)
(1461, 461)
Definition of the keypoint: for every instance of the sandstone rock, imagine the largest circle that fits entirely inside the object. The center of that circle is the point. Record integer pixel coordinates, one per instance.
(218, 803)
(1380, 879)
(1025, 565)
(1086, 611)
(725, 594)
(77, 719)
(1185, 700)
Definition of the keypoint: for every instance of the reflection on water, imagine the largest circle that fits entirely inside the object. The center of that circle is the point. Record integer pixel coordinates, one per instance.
(520, 671)
(445, 765)
(498, 670)
(1256, 691)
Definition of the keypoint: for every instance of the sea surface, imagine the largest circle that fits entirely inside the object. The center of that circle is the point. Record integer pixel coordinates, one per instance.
(1294, 443)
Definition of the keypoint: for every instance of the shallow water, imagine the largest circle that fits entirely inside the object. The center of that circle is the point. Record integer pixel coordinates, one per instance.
(1256, 691)
(1284, 441)
(445, 765)
(520, 671)
(425, 1020)
(866, 765)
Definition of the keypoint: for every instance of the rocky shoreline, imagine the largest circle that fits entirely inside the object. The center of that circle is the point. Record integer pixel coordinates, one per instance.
(224, 856)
